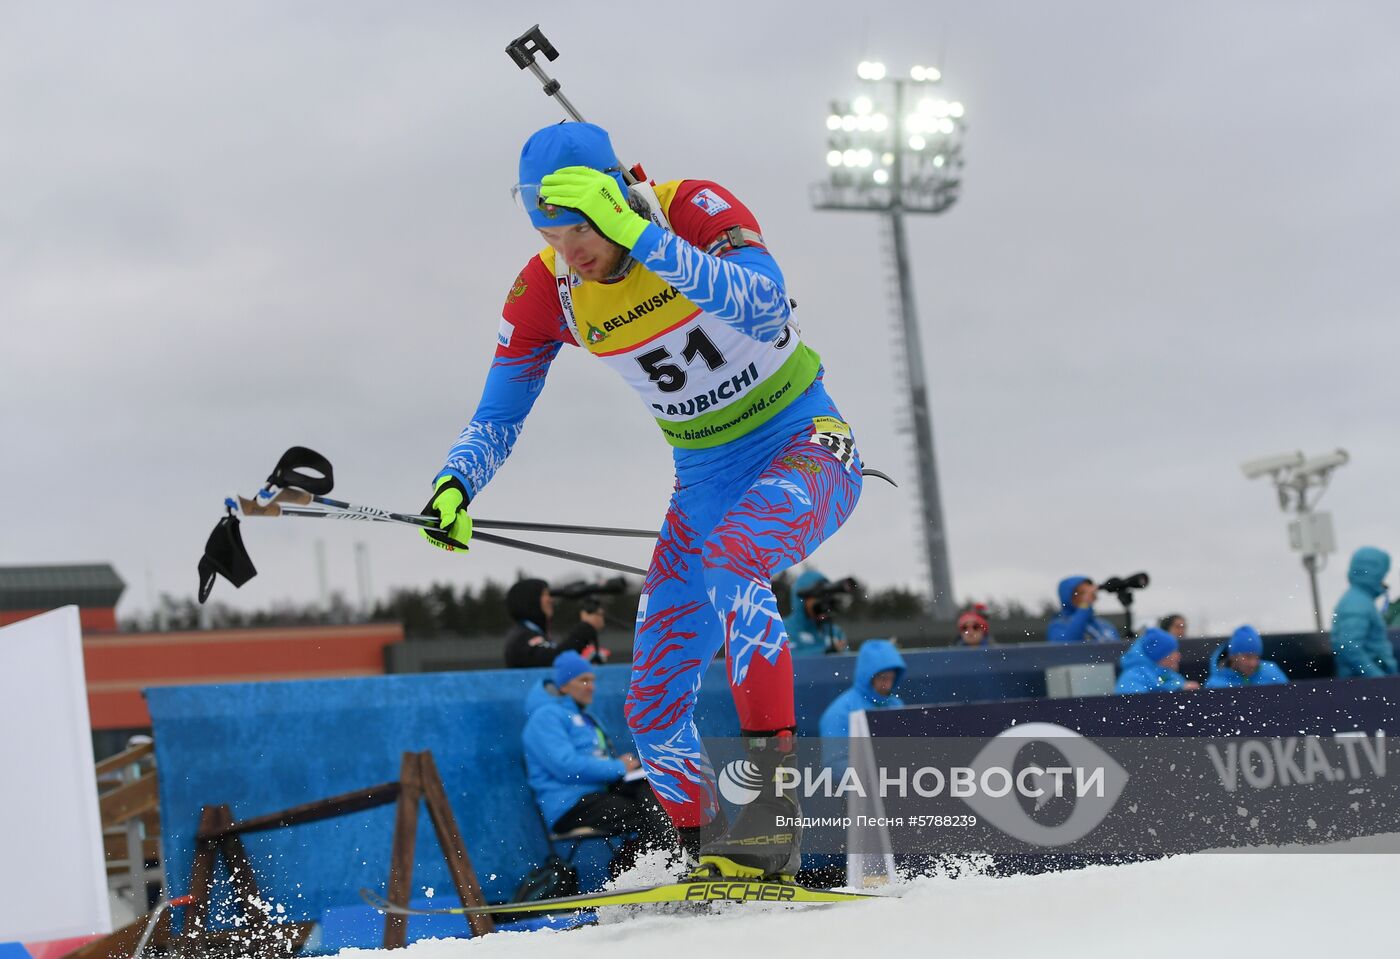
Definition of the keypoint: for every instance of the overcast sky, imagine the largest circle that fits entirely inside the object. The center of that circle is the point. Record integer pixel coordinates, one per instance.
(228, 229)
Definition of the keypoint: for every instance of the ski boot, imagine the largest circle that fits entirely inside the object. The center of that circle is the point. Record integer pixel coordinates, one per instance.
(694, 838)
(756, 845)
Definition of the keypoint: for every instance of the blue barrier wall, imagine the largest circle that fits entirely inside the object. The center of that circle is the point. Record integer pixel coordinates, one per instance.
(262, 747)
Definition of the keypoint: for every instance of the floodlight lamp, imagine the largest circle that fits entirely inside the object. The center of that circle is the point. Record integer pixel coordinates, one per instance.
(882, 177)
(917, 143)
(1271, 464)
(879, 123)
(833, 158)
(887, 159)
(877, 71)
(913, 124)
(946, 125)
(862, 105)
(932, 75)
(863, 70)
(833, 122)
(848, 158)
(938, 160)
(955, 109)
(916, 73)
(1323, 464)
(864, 158)
(848, 123)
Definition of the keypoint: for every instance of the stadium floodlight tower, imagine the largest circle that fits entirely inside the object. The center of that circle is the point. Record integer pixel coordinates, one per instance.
(1295, 476)
(894, 149)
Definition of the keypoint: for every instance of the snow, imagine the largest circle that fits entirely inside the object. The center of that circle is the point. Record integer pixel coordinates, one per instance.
(1212, 904)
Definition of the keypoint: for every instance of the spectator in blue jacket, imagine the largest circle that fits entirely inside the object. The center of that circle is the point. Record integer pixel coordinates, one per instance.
(879, 668)
(571, 766)
(1077, 622)
(1238, 663)
(1359, 641)
(811, 630)
(1151, 666)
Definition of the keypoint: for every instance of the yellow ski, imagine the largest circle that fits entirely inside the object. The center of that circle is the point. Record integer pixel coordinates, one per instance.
(692, 890)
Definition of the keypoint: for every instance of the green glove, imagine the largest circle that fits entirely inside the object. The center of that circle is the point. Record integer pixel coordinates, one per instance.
(598, 197)
(450, 503)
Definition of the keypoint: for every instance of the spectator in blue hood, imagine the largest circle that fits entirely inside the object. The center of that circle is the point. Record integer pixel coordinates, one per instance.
(1238, 663)
(1359, 641)
(572, 769)
(1151, 666)
(1077, 622)
(811, 630)
(879, 668)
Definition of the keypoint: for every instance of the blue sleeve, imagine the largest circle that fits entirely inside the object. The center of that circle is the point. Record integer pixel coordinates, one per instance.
(512, 386)
(835, 721)
(1070, 629)
(1132, 681)
(1349, 644)
(744, 288)
(549, 744)
(1270, 675)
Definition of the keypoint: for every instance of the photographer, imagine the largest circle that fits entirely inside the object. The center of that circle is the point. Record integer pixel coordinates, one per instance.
(531, 604)
(1076, 622)
(810, 628)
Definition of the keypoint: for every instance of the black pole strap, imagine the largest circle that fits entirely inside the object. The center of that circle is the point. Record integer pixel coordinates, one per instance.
(291, 470)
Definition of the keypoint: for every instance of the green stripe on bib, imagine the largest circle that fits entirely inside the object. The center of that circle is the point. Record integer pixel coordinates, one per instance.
(761, 404)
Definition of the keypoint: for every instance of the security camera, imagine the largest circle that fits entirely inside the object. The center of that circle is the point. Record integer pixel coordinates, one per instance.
(1317, 465)
(1271, 464)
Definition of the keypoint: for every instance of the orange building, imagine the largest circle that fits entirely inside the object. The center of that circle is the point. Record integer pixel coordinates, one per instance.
(119, 665)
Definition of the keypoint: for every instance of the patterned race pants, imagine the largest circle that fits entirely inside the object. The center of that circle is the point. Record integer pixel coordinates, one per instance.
(726, 535)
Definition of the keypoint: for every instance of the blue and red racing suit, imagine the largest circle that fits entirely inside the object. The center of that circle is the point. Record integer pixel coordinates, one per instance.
(766, 469)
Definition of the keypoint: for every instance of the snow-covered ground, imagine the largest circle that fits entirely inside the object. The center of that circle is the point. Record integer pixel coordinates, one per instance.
(1318, 905)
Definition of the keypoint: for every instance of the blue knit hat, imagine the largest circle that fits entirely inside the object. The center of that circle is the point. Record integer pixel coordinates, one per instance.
(1157, 644)
(569, 666)
(1246, 641)
(557, 146)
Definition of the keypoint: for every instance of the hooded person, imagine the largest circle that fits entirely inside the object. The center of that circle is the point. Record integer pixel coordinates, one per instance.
(1150, 665)
(674, 287)
(1360, 644)
(879, 668)
(1237, 663)
(1077, 622)
(531, 606)
(811, 630)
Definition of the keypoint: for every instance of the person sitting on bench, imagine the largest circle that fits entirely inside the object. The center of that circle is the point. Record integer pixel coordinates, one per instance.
(577, 780)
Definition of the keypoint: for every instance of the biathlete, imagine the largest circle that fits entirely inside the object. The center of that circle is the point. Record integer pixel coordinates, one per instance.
(695, 316)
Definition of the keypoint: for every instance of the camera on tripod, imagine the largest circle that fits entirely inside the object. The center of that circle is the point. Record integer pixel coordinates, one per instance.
(1118, 585)
(832, 596)
(1123, 587)
(588, 593)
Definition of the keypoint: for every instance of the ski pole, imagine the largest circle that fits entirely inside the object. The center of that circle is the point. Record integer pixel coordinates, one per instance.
(374, 514)
(294, 498)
